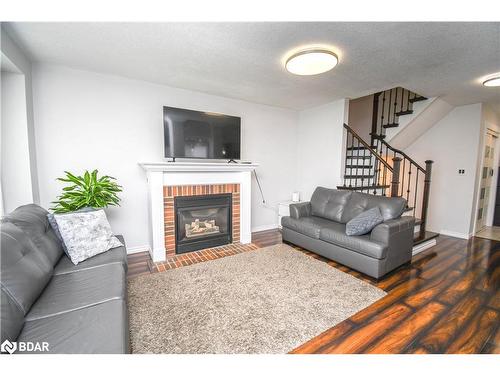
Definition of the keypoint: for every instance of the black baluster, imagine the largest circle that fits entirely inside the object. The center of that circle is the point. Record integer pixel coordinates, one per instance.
(382, 114)
(352, 154)
(409, 184)
(393, 157)
(402, 99)
(346, 154)
(357, 166)
(395, 104)
(403, 178)
(385, 176)
(415, 196)
(389, 108)
(369, 169)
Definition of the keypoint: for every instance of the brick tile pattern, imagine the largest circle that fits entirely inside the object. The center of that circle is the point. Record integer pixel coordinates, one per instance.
(170, 192)
(187, 259)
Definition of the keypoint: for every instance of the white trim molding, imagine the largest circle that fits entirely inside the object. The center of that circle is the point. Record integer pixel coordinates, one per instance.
(450, 233)
(423, 246)
(261, 228)
(138, 249)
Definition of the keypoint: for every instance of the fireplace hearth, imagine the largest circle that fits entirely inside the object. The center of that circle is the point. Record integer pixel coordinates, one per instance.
(202, 221)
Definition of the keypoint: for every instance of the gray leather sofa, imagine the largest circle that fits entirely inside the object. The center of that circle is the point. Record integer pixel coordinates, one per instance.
(45, 298)
(319, 226)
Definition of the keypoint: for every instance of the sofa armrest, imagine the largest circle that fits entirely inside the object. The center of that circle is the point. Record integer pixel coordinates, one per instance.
(298, 210)
(384, 232)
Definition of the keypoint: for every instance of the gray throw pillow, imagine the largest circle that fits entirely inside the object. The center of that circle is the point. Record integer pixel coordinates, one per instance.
(86, 234)
(364, 222)
(53, 224)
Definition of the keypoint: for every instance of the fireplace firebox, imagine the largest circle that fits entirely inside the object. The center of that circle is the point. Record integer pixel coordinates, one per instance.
(202, 221)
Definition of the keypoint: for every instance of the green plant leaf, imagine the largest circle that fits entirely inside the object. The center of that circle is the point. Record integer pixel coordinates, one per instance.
(87, 190)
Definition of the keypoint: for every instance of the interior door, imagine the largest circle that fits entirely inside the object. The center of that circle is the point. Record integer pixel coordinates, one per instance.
(486, 179)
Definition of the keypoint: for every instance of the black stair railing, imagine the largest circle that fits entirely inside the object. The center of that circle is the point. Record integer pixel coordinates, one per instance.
(409, 180)
(364, 169)
(388, 105)
(384, 170)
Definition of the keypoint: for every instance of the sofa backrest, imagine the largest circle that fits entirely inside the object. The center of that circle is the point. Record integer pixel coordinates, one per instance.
(25, 271)
(390, 207)
(343, 205)
(32, 219)
(329, 203)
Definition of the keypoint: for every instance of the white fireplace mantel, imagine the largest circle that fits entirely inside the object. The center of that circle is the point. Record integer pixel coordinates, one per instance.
(160, 174)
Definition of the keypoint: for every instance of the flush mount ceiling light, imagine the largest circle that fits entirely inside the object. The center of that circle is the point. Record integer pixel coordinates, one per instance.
(492, 82)
(311, 61)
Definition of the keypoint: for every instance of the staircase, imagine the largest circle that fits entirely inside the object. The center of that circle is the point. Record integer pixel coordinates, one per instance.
(376, 167)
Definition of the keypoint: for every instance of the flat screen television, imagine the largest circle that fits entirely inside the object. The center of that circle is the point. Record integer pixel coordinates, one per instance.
(200, 135)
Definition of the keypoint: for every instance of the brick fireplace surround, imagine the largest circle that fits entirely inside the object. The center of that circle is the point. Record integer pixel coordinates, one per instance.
(166, 180)
(170, 192)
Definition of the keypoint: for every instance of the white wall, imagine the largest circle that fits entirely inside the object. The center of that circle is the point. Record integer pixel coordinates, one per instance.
(361, 116)
(87, 120)
(320, 145)
(452, 144)
(15, 158)
(11, 51)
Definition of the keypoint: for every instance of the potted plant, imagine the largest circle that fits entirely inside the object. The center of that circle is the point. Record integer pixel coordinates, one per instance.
(87, 191)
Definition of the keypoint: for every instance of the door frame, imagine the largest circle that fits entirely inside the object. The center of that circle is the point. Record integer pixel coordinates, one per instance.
(491, 204)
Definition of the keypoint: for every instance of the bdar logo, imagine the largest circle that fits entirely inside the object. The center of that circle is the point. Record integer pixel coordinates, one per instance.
(8, 347)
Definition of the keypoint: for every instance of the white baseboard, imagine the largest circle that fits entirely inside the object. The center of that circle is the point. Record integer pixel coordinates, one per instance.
(260, 228)
(423, 246)
(450, 233)
(137, 249)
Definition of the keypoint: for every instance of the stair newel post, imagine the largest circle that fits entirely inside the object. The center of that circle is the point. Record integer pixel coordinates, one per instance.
(425, 200)
(395, 176)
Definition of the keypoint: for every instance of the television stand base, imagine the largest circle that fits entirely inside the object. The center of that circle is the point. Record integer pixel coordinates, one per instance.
(232, 161)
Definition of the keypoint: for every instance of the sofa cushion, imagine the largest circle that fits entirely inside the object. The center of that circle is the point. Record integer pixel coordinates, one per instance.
(77, 290)
(117, 255)
(329, 203)
(364, 222)
(309, 226)
(32, 219)
(359, 244)
(97, 329)
(390, 208)
(12, 318)
(24, 269)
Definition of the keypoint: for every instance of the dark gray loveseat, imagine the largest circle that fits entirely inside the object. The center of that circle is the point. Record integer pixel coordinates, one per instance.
(45, 298)
(319, 226)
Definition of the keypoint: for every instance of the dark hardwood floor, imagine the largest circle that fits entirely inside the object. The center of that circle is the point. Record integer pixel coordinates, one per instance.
(446, 301)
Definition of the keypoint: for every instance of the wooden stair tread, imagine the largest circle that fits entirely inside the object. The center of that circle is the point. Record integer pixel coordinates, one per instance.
(359, 148)
(363, 187)
(354, 176)
(402, 113)
(387, 126)
(366, 157)
(417, 99)
(417, 239)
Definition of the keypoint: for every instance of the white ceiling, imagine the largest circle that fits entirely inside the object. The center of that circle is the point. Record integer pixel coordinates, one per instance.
(245, 60)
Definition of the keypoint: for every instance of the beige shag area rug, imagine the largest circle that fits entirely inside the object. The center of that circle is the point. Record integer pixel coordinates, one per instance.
(269, 300)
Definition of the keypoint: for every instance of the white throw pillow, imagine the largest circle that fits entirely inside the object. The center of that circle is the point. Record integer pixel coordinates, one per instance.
(86, 234)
